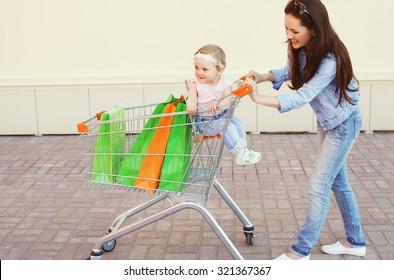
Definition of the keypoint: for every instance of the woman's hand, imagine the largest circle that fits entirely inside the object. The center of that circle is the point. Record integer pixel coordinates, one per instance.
(259, 78)
(254, 92)
(255, 75)
(266, 100)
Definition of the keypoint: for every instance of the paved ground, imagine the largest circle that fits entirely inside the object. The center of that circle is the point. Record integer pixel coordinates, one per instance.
(48, 212)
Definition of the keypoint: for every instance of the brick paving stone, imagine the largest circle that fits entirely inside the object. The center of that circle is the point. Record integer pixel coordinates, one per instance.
(47, 211)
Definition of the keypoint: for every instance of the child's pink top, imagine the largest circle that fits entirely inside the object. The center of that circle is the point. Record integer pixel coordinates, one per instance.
(208, 95)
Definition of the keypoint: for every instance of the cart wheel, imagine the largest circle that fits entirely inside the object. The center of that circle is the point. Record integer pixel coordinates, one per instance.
(109, 246)
(95, 255)
(249, 238)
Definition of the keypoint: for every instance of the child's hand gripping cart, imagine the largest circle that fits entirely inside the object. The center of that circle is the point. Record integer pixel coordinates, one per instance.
(151, 149)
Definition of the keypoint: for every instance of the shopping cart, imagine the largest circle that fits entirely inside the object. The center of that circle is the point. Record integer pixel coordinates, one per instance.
(108, 148)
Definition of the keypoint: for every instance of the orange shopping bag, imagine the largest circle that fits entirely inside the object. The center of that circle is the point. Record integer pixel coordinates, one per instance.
(149, 174)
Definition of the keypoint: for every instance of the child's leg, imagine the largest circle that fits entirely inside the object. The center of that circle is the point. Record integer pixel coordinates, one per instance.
(232, 140)
(236, 144)
(240, 127)
(235, 135)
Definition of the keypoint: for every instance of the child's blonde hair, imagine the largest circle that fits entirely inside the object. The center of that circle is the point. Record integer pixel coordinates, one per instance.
(216, 52)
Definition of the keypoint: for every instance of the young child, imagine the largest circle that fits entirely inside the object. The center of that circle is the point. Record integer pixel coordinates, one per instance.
(205, 90)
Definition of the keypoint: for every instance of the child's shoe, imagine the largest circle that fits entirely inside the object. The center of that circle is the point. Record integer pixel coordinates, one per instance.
(246, 156)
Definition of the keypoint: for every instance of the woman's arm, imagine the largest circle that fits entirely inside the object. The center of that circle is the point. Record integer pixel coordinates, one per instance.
(266, 100)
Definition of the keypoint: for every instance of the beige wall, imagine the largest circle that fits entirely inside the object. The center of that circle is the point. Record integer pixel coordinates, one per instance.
(61, 60)
(58, 109)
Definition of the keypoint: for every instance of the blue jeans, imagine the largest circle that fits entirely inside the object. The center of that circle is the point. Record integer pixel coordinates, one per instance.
(235, 134)
(331, 174)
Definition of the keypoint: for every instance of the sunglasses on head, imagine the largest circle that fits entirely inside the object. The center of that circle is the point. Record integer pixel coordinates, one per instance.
(297, 4)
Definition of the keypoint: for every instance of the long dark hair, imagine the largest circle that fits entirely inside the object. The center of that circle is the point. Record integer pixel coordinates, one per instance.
(314, 16)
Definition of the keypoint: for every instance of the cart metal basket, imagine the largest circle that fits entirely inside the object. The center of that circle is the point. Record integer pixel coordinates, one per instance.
(196, 174)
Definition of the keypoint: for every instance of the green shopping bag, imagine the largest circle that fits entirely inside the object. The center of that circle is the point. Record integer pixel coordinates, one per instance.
(110, 146)
(175, 171)
(149, 174)
(131, 165)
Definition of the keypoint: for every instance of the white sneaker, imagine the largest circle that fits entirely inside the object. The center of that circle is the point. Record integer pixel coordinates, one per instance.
(246, 156)
(338, 249)
(284, 257)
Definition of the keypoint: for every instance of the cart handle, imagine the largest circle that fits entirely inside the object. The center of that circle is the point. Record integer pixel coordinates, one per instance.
(99, 114)
(243, 78)
(83, 128)
(244, 89)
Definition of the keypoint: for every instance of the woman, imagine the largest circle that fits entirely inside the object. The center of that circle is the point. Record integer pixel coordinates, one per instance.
(320, 71)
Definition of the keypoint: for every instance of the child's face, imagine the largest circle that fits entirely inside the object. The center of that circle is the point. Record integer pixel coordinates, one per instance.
(206, 72)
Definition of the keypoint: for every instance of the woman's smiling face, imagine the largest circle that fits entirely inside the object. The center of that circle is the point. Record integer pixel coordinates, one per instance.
(297, 34)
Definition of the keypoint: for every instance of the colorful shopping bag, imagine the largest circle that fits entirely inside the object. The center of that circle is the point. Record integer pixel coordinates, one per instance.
(149, 175)
(131, 165)
(175, 170)
(110, 146)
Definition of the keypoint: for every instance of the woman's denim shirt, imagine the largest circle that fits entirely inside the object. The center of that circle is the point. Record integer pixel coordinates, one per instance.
(319, 92)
